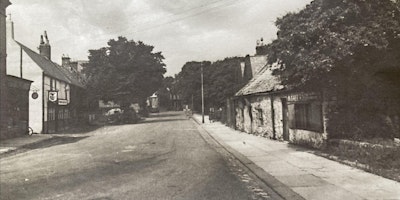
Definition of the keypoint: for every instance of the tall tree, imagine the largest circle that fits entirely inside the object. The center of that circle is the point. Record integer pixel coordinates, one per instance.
(327, 31)
(222, 79)
(188, 82)
(125, 71)
(165, 92)
(341, 47)
(225, 80)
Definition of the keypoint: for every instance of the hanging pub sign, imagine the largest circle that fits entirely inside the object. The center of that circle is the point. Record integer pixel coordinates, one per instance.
(53, 96)
(35, 95)
(62, 102)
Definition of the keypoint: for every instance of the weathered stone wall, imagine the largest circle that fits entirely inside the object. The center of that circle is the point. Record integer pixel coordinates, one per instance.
(239, 116)
(266, 128)
(309, 138)
(247, 119)
(262, 103)
(278, 117)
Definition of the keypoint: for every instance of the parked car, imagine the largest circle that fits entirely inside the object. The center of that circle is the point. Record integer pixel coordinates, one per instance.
(114, 116)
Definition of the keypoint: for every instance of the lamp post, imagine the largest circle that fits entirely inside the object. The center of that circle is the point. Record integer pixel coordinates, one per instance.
(202, 94)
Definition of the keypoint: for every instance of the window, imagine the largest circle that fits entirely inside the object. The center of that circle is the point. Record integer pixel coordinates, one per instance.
(308, 116)
(51, 114)
(61, 114)
(66, 113)
(260, 116)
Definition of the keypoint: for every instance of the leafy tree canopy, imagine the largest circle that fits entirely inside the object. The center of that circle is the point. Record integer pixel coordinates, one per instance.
(221, 81)
(125, 71)
(349, 49)
(327, 31)
(188, 82)
(225, 80)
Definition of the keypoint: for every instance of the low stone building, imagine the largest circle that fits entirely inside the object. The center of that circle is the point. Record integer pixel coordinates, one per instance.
(264, 107)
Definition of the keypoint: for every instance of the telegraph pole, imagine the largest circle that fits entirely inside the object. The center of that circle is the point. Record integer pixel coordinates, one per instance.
(202, 94)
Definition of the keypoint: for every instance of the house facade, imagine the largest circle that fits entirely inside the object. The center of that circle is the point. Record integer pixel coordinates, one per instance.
(56, 95)
(3, 63)
(264, 107)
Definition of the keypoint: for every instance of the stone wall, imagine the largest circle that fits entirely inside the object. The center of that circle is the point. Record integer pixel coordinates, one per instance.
(309, 138)
(260, 108)
(271, 125)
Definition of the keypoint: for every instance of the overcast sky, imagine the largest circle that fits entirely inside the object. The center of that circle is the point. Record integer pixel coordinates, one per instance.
(183, 30)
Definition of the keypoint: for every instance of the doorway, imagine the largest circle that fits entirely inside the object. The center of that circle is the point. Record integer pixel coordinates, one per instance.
(285, 119)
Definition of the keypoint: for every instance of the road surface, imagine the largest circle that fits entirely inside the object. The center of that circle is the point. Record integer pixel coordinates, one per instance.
(163, 157)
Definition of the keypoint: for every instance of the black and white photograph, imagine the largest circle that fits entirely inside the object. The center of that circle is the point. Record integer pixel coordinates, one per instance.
(200, 100)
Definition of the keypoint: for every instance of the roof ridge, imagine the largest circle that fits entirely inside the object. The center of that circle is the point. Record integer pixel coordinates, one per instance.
(51, 68)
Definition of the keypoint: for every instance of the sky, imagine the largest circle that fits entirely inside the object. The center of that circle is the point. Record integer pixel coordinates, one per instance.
(183, 30)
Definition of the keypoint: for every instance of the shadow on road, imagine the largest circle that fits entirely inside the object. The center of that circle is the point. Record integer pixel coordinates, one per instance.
(164, 117)
(46, 143)
(80, 129)
(148, 121)
(166, 114)
(53, 141)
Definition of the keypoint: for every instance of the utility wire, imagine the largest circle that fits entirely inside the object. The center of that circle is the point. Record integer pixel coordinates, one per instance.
(190, 9)
(226, 3)
(189, 16)
(170, 21)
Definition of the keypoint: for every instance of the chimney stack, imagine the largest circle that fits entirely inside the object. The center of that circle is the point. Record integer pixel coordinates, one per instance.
(261, 48)
(45, 48)
(10, 28)
(65, 61)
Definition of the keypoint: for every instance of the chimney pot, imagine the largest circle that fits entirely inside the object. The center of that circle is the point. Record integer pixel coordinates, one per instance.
(45, 36)
(41, 39)
(65, 61)
(45, 48)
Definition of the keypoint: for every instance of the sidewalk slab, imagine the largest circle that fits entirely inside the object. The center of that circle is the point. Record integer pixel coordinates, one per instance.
(307, 174)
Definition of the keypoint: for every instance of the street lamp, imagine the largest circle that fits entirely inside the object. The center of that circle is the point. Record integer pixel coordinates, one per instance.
(202, 94)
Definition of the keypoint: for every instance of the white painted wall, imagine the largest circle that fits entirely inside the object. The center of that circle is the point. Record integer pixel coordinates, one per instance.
(32, 72)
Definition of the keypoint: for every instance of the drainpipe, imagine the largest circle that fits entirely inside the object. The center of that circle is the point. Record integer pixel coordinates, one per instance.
(20, 62)
(273, 117)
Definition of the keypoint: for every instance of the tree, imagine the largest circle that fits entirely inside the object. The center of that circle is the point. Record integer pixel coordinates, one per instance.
(339, 47)
(368, 94)
(165, 91)
(188, 82)
(224, 80)
(311, 42)
(221, 81)
(125, 72)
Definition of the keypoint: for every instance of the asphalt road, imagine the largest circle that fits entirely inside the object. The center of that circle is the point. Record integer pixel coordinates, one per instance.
(163, 157)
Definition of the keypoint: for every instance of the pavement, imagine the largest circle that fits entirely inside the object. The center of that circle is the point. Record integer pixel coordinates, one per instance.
(297, 173)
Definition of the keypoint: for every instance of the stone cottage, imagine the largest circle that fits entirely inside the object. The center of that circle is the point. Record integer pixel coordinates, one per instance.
(264, 107)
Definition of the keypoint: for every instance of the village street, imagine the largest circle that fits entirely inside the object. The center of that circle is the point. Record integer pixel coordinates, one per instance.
(163, 157)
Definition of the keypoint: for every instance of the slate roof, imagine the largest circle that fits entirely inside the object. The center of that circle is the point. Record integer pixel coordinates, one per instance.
(52, 69)
(262, 82)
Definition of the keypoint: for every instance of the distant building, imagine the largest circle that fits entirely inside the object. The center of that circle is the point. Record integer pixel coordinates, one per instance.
(57, 95)
(153, 103)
